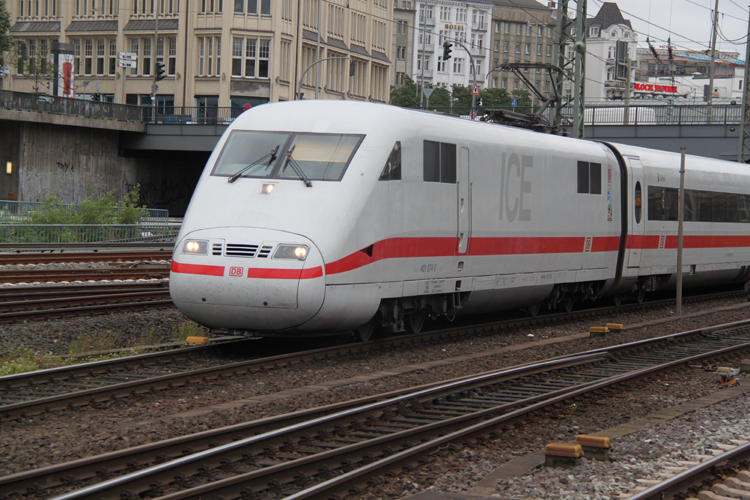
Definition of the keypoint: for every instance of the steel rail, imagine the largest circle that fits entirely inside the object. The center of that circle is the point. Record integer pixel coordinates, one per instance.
(7, 259)
(61, 373)
(167, 470)
(694, 476)
(33, 292)
(134, 301)
(52, 275)
(59, 247)
(351, 479)
(28, 408)
(21, 306)
(309, 467)
(120, 460)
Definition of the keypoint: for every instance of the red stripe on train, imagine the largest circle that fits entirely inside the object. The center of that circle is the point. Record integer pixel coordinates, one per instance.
(197, 269)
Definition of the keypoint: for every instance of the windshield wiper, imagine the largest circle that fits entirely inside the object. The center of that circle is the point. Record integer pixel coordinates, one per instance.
(296, 167)
(271, 157)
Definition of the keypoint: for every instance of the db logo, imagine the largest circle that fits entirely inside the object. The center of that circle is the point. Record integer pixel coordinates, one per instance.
(236, 271)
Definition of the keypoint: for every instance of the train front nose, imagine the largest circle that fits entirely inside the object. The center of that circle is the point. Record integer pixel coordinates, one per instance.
(247, 279)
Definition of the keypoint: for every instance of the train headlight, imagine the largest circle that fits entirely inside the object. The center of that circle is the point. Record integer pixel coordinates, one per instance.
(298, 252)
(195, 247)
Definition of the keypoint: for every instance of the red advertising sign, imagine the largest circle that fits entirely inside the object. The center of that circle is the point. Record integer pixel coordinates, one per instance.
(651, 87)
(67, 69)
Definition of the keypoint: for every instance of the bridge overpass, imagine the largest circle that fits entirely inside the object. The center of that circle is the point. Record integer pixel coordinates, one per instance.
(717, 140)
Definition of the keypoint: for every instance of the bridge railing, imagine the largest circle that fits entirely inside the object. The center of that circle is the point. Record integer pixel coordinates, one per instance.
(42, 103)
(191, 115)
(639, 114)
(89, 233)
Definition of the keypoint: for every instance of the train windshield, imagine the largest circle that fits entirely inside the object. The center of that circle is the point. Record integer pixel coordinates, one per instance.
(321, 157)
(246, 148)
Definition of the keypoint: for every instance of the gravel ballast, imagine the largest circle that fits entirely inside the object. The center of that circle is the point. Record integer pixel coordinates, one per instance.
(61, 436)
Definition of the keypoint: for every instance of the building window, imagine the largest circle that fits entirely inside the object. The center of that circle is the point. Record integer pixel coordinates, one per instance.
(506, 46)
(539, 49)
(594, 31)
(441, 65)
(518, 47)
(549, 50)
(209, 56)
(528, 49)
(402, 27)
(457, 65)
(401, 52)
(506, 28)
(254, 54)
(539, 31)
(519, 29)
(206, 6)
(252, 7)
(445, 13)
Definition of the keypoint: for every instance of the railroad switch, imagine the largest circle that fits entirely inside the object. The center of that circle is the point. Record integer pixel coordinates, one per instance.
(728, 376)
(598, 331)
(196, 340)
(594, 447)
(562, 456)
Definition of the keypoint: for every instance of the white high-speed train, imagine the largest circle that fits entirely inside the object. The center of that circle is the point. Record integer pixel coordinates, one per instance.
(320, 216)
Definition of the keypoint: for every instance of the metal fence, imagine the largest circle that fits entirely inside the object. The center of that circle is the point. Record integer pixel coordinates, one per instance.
(651, 114)
(641, 114)
(89, 233)
(193, 115)
(66, 106)
(21, 208)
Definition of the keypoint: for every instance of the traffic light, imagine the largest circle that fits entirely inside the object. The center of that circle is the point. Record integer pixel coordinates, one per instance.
(352, 68)
(447, 50)
(159, 71)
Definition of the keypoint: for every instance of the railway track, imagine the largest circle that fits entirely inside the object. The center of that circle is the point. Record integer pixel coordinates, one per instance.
(712, 472)
(12, 259)
(323, 452)
(49, 395)
(54, 302)
(60, 275)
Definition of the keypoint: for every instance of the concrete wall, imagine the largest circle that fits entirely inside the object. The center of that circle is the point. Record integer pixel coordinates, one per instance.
(9, 143)
(71, 161)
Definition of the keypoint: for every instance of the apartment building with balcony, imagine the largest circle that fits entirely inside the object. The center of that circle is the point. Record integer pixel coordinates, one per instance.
(216, 53)
(464, 24)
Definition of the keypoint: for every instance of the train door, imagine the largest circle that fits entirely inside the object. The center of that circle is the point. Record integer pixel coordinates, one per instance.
(638, 214)
(464, 203)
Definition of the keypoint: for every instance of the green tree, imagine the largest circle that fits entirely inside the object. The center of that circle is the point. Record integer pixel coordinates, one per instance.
(6, 41)
(406, 95)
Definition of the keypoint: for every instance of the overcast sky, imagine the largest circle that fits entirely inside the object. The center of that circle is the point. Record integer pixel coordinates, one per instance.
(690, 22)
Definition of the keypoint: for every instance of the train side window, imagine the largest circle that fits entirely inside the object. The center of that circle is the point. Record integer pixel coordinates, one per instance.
(392, 169)
(595, 178)
(583, 177)
(431, 161)
(638, 205)
(447, 163)
(439, 162)
(589, 178)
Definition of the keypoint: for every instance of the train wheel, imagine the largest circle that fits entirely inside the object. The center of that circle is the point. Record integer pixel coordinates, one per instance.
(533, 310)
(414, 322)
(365, 332)
(641, 296)
(568, 303)
(617, 300)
